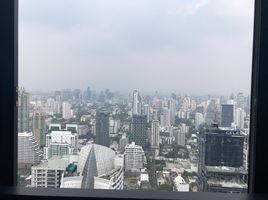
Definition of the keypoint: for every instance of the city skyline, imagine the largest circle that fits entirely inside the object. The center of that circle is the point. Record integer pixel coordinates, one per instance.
(143, 45)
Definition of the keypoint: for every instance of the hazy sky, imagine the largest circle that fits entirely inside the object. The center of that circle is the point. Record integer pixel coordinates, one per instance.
(195, 46)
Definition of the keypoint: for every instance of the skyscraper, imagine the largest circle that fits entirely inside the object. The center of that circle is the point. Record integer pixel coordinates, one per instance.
(102, 129)
(240, 117)
(39, 127)
(136, 103)
(146, 108)
(139, 130)
(240, 100)
(165, 117)
(155, 138)
(227, 115)
(23, 110)
(199, 119)
(172, 108)
(66, 110)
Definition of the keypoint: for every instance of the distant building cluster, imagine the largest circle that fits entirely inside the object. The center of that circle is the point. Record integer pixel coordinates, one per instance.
(107, 140)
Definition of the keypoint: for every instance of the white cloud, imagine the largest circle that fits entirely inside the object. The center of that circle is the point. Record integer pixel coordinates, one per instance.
(190, 8)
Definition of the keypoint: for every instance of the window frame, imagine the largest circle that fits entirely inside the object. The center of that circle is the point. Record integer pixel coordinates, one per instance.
(8, 117)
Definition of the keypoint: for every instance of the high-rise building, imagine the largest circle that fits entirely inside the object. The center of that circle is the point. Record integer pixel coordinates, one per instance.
(172, 108)
(165, 117)
(61, 142)
(147, 113)
(134, 157)
(240, 101)
(102, 129)
(155, 137)
(136, 103)
(123, 142)
(29, 152)
(227, 115)
(88, 94)
(199, 119)
(139, 130)
(23, 110)
(240, 117)
(179, 137)
(66, 110)
(221, 160)
(39, 127)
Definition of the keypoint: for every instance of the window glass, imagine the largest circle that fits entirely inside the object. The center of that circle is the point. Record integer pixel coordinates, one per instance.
(135, 95)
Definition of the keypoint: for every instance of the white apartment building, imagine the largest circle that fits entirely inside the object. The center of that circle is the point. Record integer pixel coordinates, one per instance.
(134, 157)
(49, 173)
(62, 142)
(66, 110)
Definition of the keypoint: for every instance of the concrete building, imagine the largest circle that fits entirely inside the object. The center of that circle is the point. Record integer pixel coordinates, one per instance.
(49, 173)
(221, 160)
(102, 129)
(23, 110)
(165, 117)
(139, 130)
(199, 119)
(136, 103)
(39, 127)
(134, 157)
(227, 115)
(155, 137)
(240, 115)
(123, 142)
(66, 110)
(147, 112)
(29, 152)
(179, 137)
(172, 108)
(61, 142)
(240, 100)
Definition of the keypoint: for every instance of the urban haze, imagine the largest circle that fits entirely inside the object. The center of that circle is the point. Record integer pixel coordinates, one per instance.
(193, 46)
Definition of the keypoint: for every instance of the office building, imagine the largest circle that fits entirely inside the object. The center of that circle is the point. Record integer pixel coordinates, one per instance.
(221, 160)
(227, 115)
(23, 110)
(102, 129)
(139, 130)
(134, 157)
(39, 127)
